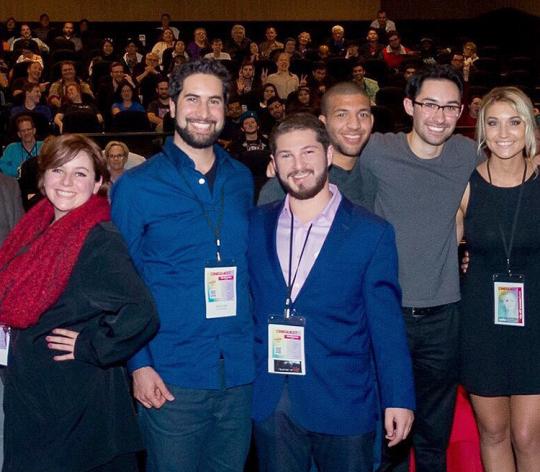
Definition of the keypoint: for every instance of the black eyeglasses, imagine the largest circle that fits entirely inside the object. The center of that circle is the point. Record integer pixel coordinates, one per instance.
(430, 108)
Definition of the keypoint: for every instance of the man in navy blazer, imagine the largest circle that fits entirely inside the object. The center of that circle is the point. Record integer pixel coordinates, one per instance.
(326, 297)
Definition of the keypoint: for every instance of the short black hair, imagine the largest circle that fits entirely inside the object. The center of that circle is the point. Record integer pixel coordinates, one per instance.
(297, 122)
(203, 66)
(436, 72)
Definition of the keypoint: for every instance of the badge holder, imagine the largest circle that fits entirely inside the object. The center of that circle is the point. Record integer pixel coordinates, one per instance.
(286, 347)
(220, 287)
(5, 335)
(509, 299)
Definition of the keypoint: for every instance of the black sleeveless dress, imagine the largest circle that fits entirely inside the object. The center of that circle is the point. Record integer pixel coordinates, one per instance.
(500, 360)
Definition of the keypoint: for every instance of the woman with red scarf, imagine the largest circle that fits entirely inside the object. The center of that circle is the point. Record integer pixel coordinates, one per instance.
(77, 310)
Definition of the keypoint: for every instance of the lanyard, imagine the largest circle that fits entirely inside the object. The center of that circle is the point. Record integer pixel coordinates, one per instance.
(290, 283)
(508, 247)
(215, 228)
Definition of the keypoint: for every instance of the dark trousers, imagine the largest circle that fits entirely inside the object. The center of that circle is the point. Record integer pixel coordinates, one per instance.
(283, 446)
(433, 341)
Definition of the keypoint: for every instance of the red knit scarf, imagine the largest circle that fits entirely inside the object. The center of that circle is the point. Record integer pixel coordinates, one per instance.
(37, 258)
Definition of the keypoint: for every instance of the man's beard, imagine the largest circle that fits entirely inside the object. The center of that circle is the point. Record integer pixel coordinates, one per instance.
(193, 140)
(303, 193)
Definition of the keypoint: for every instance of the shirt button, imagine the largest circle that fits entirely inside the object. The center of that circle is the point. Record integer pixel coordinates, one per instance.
(201, 181)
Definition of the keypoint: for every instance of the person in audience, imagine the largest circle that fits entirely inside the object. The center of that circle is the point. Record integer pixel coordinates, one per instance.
(251, 139)
(160, 107)
(58, 89)
(27, 52)
(352, 50)
(106, 54)
(174, 56)
(318, 81)
(383, 23)
(301, 101)
(116, 153)
(126, 99)
(166, 41)
(337, 43)
(166, 23)
(132, 56)
(268, 91)
(469, 58)
(68, 32)
(498, 350)
(285, 81)
(77, 310)
(254, 53)
(372, 49)
(147, 77)
(73, 103)
(32, 103)
(469, 117)
(246, 81)
(267, 47)
(34, 71)
(323, 53)
(428, 51)
(457, 61)
(290, 49)
(395, 53)
(89, 36)
(26, 35)
(217, 51)
(370, 86)
(199, 46)
(108, 86)
(238, 45)
(303, 45)
(10, 29)
(15, 154)
(43, 30)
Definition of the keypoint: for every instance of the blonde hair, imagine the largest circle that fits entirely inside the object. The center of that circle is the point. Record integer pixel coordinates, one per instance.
(110, 144)
(524, 108)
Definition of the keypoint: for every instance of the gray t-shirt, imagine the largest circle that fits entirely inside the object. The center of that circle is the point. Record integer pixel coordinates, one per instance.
(420, 198)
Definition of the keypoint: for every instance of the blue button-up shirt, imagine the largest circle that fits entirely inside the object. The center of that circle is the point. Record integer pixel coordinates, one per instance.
(157, 207)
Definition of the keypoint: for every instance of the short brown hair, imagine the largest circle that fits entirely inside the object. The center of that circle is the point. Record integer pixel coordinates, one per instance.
(57, 150)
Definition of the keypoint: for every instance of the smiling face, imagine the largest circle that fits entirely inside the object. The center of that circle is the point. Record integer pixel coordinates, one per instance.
(283, 62)
(433, 128)
(116, 158)
(25, 32)
(250, 126)
(276, 110)
(304, 38)
(269, 92)
(505, 131)
(108, 48)
(68, 72)
(303, 96)
(34, 71)
(270, 34)
(349, 122)
(70, 185)
(200, 111)
(167, 36)
(301, 163)
(73, 93)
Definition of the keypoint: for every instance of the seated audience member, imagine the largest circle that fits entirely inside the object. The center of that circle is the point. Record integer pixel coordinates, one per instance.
(323, 53)
(254, 53)
(16, 153)
(108, 86)
(276, 113)
(238, 45)
(166, 24)
(457, 61)
(285, 81)
(43, 30)
(73, 103)
(336, 43)
(32, 99)
(27, 53)
(89, 36)
(251, 138)
(383, 23)
(469, 116)
(10, 29)
(174, 56)
(158, 108)
(370, 86)
(146, 76)
(166, 41)
(270, 44)
(246, 81)
(132, 56)
(290, 49)
(372, 49)
(68, 32)
(199, 46)
(319, 80)
(116, 153)
(395, 53)
(301, 101)
(352, 51)
(231, 130)
(428, 52)
(106, 54)
(469, 58)
(68, 76)
(217, 51)
(26, 35)
(34, 70)
(268, 91)
(126, 99)
(303, 45)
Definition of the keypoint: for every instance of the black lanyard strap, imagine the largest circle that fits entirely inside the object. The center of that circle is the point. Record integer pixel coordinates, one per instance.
(290, 283)
(215, 228)
(508, 247)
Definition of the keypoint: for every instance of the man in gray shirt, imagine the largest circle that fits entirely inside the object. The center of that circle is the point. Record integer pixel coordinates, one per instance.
(416, 181)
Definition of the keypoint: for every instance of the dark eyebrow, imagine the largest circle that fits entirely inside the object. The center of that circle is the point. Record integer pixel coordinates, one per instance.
(434, 100)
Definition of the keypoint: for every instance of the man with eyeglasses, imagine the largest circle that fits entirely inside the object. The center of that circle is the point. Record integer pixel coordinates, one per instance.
(415, 181)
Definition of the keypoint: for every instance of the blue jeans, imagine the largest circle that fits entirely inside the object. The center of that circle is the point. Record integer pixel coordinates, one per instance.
(201, 430)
